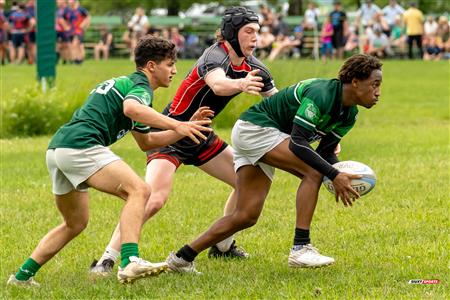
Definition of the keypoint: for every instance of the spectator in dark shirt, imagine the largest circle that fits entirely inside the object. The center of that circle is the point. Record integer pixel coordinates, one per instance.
(104, 45)
(340, 28)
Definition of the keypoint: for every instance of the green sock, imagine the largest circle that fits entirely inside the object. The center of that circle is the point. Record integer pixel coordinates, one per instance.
(127, 250)
(28, 269)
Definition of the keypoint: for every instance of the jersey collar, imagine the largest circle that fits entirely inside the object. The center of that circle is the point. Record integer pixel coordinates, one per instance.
(243, 67)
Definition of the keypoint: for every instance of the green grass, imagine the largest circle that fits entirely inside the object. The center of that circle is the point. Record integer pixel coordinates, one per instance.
(398, 232)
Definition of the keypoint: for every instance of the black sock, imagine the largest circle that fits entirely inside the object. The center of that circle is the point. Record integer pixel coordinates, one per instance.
(187, 253)
(301, 237)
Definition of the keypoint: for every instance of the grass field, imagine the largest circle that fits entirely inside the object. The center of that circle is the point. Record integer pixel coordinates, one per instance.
(398, 232)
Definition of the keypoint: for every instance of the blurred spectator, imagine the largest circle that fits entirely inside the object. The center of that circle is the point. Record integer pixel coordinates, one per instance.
(340, 28)
(104, 45)
(444, 32)
(311, 17)
(326, 38)
(20, 22)
(430, 26)
(63, 32)
(126, 38)
(267, 16)
(3, 33)
(191, 46)
(398, 38)
(379, 44)
(434, 48)
(178, 39)
(138, 26)
(285, 44)
(413, 20)
(279, 27)
(165, 33)
(379, 23)
(30, 38)
(391, 12)
(264, 45)
(352, 42)
(80, 21)
(366, 13)
(297, 41)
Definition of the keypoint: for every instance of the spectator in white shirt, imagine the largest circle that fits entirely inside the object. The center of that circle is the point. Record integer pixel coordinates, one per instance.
(430, 26)
(366, 13)
(137, 27)
(391, 12)
(311, 16)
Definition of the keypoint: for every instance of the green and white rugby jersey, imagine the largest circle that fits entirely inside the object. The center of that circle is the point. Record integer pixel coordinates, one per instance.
(101, 121)
(314, 104)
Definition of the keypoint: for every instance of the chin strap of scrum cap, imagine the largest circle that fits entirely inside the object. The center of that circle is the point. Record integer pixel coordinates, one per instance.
(234, 19)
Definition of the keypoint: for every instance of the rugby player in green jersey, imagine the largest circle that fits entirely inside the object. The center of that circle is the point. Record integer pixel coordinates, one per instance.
(276, 133)
(78, 157)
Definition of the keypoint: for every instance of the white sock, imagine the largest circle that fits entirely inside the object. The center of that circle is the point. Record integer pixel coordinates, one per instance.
(225, 245)
(109, 253)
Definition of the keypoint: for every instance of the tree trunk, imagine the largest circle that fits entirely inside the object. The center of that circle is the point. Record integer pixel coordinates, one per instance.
(173, 7)
(295, 7)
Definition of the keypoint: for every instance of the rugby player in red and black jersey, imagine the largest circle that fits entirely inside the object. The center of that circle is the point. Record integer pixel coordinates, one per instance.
(225, 69)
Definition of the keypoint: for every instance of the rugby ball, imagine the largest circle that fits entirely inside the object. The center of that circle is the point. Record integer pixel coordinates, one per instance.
(362, 185)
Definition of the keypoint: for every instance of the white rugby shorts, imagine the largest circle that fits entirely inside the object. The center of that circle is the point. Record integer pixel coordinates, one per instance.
(251, 142)
(70, 168)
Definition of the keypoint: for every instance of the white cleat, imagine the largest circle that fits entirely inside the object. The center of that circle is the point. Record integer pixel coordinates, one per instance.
(308, 257)
(139, 268)
(12, 280)
(178, 264)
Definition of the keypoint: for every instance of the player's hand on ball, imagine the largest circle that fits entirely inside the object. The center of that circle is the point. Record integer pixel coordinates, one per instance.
(251, 84)
(202, 113)
(193, 129)
(337, 150)
(343, 188)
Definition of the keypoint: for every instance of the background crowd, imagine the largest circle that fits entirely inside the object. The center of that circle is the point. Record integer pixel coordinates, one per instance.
(391, 31)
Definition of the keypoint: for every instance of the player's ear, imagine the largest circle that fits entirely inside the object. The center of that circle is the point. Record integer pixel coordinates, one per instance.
(151, 65)
(355, 82)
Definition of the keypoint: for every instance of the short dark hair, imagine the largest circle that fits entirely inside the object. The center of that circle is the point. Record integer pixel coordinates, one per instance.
(153, 48)
(358, 66)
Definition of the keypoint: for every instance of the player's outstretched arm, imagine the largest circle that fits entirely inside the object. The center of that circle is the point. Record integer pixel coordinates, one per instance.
(148, 116)
(224, 86)
(147, 141)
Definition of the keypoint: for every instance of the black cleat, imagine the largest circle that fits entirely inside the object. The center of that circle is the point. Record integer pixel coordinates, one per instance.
(104, 269)
(233, 252)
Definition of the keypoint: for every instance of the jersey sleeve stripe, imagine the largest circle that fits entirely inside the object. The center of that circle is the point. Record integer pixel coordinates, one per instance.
(117, 92)
(306, 122)
(135, 98)
(295, 92)
(336, 135)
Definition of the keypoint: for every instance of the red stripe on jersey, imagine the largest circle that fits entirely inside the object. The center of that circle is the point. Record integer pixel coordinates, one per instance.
(243, 67)
(186, 93)
(224, 47)
(211, 151)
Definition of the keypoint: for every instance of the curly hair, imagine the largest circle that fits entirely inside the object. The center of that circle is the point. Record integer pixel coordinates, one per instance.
(358, 66)
(153, 48)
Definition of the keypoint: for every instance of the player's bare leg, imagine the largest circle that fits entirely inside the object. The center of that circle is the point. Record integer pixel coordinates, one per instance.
(119, 179)
(74, 208)
(222, 168)
(303, 254)
(252, 188)
(160, 174)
